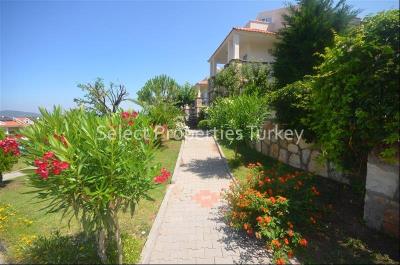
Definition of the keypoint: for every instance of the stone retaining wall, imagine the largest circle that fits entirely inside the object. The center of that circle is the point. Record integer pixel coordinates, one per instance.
(296, 153)
(381, 208)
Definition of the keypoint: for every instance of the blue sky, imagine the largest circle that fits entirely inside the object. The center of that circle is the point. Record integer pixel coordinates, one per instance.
(48, 47)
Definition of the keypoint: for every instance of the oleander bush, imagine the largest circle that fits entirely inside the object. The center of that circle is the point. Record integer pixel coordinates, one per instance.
(91, 167)
(9, 153)
(270, 206)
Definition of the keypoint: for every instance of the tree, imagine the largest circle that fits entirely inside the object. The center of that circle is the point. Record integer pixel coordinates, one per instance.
(248, 78)
(186, 95)
(9, 153)
(92, 167)
(355, 96)
(310, 27)
(100, 99)
(238, 118)
(161, 88)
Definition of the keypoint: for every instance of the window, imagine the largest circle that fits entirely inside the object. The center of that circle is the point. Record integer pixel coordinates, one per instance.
(267, 20)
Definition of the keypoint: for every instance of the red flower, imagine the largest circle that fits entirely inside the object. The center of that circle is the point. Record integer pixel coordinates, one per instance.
(125, 115)
(286, 241)
(272, 200)
(43, 172)
(290, 254)
(10, 145)
(276, 243)
(303, 242)
(259, 219)
(267, 219)
(40, 164)
(290, 233)
(163, 177)
(48, 155)
(280, 261)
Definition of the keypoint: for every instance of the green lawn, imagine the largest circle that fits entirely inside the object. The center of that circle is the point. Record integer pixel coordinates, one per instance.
(341, 236)
(31, 236)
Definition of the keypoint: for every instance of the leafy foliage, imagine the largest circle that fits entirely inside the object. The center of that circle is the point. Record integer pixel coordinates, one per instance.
(186, 95)
(9, 153)
(310, 27)
(293, 106)
(238, 118)
(163, 113)
(355, 93)
(268, 205)
(91, 168)
(161, 88)
(100, 99)
(248, 78)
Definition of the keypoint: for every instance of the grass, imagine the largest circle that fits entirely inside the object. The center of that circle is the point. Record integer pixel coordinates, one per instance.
(19, 165)
(341, 236)
(31, 236)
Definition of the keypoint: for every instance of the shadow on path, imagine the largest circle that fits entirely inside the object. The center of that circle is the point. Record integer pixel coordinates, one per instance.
(207, 168)
(251, 250)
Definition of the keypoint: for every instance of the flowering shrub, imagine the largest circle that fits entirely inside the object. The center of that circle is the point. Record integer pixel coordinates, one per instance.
(267, 205)
(93, 167)
(9, 153)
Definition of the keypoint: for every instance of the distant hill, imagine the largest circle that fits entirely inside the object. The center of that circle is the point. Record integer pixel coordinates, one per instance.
(16, 113)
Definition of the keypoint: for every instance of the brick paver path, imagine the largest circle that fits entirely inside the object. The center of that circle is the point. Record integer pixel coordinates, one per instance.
(191, 228)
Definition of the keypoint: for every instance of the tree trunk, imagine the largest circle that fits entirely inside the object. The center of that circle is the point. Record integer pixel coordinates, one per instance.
(236, 150)
(101, 246)
(1, 179)
(118, 239)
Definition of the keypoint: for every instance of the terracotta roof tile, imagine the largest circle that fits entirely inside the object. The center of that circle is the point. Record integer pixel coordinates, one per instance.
(11, 124)
(254, 30)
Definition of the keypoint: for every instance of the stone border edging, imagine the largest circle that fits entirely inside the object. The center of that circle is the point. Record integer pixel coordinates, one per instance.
(151, 238)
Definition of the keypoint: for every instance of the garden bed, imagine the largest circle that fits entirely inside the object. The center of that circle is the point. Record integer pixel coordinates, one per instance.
(339, 235)
(31, 236)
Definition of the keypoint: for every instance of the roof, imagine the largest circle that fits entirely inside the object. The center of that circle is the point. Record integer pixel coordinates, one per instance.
(203, 82)
(252, 30)
(10, 124)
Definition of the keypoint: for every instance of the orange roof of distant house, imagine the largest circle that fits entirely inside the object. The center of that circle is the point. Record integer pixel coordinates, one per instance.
(203, 82)
(11, 124)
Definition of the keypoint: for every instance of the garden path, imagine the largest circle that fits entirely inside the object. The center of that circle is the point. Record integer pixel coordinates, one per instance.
(190, 228)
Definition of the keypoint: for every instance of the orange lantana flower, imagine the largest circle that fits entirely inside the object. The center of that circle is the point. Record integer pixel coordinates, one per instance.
(303, 242)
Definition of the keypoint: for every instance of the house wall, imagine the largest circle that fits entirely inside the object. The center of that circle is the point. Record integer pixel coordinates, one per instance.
(256, 53)
(276, 15)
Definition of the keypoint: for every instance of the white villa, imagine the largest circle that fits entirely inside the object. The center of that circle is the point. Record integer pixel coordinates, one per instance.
(252, 43)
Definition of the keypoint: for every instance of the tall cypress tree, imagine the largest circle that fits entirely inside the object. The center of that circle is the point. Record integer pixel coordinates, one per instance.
(310, 27)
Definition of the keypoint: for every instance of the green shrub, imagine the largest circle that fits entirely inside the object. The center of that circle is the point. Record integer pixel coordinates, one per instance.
(204, 124)
(238, 118)
(247, 78)
(90, 167)
(355, 94)
(292, 105)
(164, 114)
